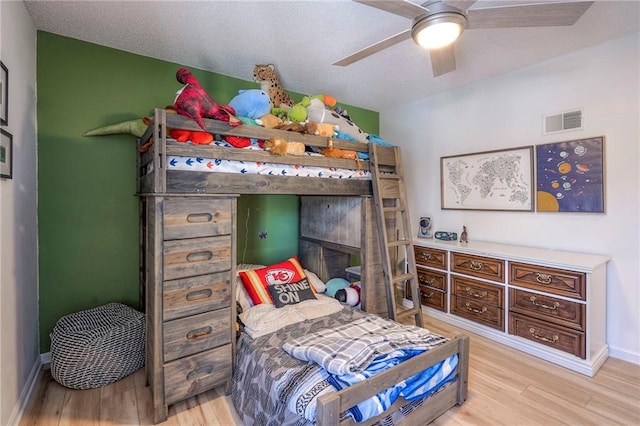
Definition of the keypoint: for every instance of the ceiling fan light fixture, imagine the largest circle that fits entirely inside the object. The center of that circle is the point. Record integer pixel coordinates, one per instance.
(438, 30)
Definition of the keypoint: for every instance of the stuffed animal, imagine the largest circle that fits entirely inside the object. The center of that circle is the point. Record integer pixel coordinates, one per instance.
(332, 152)
(194, 102)
(318, 112)
(266, 76)
(269, 121)
(320, 129)
(349, 295)
(252, 103)
(279, 146)
(135, 128)
(198, 138)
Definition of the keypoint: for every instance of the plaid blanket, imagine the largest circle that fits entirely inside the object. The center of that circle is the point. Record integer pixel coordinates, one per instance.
(350, 348)
(353, 352)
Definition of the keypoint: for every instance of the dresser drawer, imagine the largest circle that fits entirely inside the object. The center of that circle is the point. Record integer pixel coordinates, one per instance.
(477, 311)
(547, 308)
(478, 291)
(197, 373)
(431, 257)
(185, 217)
(433, 279)
(433, 298)
(195, 295)
(197, 333)
(561, 338)
(196, 256)
(478, 266)
(549, 280)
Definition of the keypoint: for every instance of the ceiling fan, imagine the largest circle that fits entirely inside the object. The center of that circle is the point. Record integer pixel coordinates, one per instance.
(452, 17)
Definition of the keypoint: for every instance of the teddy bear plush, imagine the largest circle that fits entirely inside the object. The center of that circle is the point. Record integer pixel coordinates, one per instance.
(279, 146)
(194, 102)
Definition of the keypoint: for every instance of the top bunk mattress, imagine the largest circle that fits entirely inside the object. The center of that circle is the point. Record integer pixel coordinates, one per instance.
(221, 165)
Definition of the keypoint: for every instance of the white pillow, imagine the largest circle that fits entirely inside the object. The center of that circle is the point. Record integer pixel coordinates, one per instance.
(315, 281)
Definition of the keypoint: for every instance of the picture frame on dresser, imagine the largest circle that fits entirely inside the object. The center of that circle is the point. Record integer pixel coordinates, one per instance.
(501, 180)
(570, 176)
(6, 154)
(4, 94)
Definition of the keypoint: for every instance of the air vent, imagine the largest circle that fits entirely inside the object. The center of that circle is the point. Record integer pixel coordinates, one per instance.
(562, 122)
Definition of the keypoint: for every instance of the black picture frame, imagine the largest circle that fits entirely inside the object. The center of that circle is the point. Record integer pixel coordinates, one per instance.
(4, 94)
(6, 154)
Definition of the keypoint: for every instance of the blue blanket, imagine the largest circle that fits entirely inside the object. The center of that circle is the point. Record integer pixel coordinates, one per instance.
(351, 353)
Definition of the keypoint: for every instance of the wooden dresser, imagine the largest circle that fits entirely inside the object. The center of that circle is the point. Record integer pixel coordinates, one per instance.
(548, 303)
(188, 257)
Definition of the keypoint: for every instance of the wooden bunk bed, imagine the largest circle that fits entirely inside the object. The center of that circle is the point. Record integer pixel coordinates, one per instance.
(188, 260)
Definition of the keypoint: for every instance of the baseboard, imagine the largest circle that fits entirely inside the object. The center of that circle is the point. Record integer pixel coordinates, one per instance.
(45, 359)
(23, 400)
(615, 352)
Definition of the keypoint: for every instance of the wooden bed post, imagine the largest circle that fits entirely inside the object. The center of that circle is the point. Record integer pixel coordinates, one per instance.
(463, 368)
(328, 411)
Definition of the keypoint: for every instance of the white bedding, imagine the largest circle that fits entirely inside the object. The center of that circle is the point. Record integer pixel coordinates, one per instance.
(265, 318)
(218, 165)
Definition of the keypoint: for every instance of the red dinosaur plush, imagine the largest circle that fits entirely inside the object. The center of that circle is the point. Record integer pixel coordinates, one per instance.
(194, 102)
(198, 138)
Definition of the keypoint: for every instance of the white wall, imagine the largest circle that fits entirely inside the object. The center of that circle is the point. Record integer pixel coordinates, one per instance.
(19, 354)
(506, 112)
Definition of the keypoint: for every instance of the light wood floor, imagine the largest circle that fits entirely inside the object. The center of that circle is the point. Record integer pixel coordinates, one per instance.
(506, 387)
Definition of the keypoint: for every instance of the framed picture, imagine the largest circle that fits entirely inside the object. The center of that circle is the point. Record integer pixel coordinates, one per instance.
(6, 154)
(570, 176)
(491, 180)
(4, 94)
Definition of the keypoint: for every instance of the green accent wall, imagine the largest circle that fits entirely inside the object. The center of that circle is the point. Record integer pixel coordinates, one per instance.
(88, 217)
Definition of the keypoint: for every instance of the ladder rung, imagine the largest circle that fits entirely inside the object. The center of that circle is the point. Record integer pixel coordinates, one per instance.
(393, 209)
(389, 176)
(399, 243)
(407, 313)
(403, 277)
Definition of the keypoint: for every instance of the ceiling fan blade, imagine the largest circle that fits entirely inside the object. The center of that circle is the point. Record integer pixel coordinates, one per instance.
(460, 4)
(527, 15)
(397, 7)
(374, 48)
(443, 60)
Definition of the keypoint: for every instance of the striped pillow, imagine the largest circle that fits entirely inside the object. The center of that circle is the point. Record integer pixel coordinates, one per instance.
(256, 281)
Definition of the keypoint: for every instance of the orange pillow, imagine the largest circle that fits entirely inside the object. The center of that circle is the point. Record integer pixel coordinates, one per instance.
(256, 281)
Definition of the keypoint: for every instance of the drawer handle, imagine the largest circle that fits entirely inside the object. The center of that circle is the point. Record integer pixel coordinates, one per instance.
(426, 282)
(480, 295)
(199, 333)
(476, 266)
(425, 256)
(553, 340)
(199, 373)
(199, 256)
(475, 311)
(543, 278)
(428, 296)
(553, 307)
(199, 294)
(199, 217)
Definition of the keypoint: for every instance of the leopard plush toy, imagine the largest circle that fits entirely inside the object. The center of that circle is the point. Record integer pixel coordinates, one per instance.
(266, 76)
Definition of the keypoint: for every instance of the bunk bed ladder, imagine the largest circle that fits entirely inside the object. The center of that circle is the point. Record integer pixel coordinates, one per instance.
(398, 257)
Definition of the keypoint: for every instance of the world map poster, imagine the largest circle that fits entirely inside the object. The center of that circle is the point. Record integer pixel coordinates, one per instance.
(570, 176)
(492, 180)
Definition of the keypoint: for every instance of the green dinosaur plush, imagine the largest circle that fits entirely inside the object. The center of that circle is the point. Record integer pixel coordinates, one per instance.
(135, 127)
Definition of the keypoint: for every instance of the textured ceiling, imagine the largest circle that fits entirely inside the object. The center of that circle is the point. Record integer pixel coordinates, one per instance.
(304, 38)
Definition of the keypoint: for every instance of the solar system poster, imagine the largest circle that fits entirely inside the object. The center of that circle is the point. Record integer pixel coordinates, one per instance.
(570, 176)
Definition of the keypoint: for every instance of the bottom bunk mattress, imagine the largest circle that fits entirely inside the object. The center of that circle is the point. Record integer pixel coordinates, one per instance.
(271, 387)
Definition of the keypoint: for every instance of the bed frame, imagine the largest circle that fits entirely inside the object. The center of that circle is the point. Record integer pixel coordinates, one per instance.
(325, 252)
(161, 180)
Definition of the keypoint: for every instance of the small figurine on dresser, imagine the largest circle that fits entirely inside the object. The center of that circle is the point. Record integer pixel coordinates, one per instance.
(463, 236)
